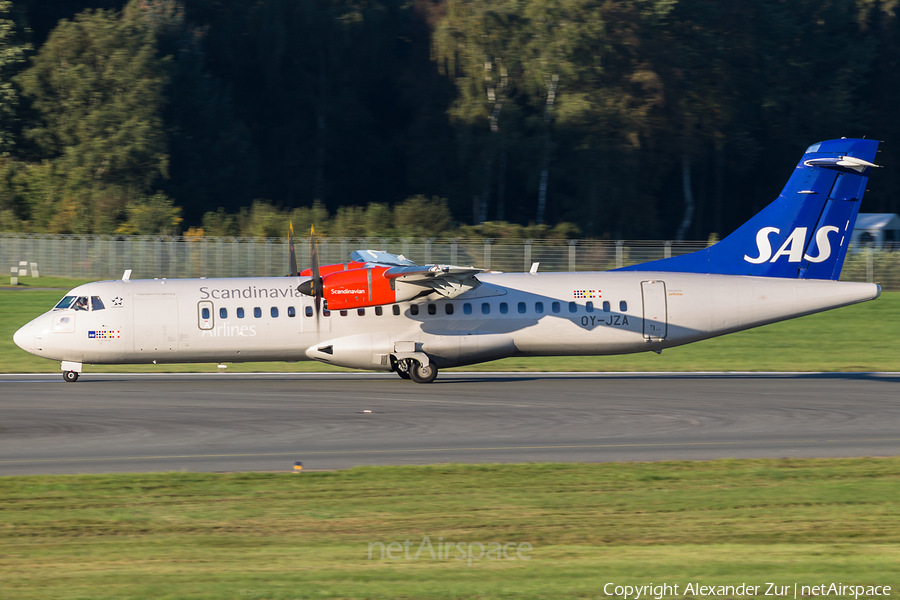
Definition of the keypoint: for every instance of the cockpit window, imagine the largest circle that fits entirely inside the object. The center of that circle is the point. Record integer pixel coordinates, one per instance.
(96, 303)
(65, 303)
(81, 303)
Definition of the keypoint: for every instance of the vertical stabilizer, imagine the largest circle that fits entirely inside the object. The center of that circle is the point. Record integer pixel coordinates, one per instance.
(805, 232)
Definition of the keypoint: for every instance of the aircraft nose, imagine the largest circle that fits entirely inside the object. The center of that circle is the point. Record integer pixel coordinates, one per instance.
(24, 338)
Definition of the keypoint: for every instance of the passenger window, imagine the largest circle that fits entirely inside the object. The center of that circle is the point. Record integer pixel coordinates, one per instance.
(204, 313)
(361, 312)
(379, 311)
(274, 312)
(240, 313)
(396, 310)
(65, 302)
(485, 308)
(448, 308)
(555, 307)
(573, 307)
(623, 306)
(413, 309)
(308, 311)
(467, 308)
(589, 306)
(81, 303)
(522, 308)
(539, 307)
(605, 306)
(343, 313)
(223, 313)
(504, 308)
(96, 303)
(291, 311)
(432, 309)
(257, 312)
(326, 313)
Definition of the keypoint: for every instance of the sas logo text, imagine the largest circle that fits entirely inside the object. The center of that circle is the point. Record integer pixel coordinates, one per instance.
(792, 246)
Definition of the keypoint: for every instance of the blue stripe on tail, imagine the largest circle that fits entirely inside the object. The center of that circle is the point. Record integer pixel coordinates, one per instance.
(805, 232)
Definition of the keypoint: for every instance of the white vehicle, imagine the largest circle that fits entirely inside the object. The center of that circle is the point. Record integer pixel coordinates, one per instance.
(382, 312)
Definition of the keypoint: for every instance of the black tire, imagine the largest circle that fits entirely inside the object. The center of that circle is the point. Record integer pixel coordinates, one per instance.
(403, 374)
(421, 374)
(70, 376)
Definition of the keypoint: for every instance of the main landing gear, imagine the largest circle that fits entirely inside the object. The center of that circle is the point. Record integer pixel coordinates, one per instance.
(70, 376)
(421, 374)
(409, 368)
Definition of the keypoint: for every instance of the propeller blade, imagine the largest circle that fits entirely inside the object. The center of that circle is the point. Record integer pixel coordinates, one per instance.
(292, 256)
(317, 287)
(313, 286)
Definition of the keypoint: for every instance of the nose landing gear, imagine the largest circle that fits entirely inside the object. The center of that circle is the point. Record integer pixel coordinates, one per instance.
(70, 370)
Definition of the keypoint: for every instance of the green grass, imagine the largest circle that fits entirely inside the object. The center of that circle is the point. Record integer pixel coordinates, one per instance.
(856, 338)
(62, 284)
(185, 535)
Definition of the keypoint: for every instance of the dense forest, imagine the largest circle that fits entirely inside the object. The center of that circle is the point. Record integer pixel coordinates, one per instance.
(671, 119)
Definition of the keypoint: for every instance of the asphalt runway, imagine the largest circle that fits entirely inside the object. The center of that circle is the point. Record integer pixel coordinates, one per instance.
(236, 422)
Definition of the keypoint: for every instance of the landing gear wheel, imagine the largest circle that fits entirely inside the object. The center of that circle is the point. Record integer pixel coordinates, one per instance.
(403, 374)
(421, 374)
(70, 376)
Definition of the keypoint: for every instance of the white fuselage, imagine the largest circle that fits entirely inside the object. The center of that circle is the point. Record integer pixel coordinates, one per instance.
(518, 314)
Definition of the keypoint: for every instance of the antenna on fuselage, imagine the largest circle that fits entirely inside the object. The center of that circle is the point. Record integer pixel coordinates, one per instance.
(127, 275)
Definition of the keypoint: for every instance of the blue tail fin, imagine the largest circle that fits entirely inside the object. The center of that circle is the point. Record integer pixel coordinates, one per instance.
(805, 232)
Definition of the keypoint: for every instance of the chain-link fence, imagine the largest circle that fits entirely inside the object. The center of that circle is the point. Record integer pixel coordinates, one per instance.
(107, 257)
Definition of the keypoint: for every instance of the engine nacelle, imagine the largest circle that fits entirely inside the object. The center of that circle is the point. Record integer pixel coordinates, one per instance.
(328, 269)
(358, 288)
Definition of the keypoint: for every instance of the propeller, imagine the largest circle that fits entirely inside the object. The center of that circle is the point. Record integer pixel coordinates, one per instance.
(292, 255)
(314, 286)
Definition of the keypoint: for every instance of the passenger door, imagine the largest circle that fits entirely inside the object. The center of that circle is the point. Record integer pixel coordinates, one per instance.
(654, 295)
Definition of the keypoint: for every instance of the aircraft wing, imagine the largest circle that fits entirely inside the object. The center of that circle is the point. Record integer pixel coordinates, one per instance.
(378, 257)
(447, 280)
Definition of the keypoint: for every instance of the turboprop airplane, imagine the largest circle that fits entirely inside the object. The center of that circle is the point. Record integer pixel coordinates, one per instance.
(384, 313)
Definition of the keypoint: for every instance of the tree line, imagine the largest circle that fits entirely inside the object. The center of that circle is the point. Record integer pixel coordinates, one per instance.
(620, 118)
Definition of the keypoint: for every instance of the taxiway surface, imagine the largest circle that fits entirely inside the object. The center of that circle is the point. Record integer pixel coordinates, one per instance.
(266, 422)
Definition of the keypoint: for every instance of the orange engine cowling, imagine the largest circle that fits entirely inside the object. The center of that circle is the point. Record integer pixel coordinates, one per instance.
(357, 288)
(328, 269)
